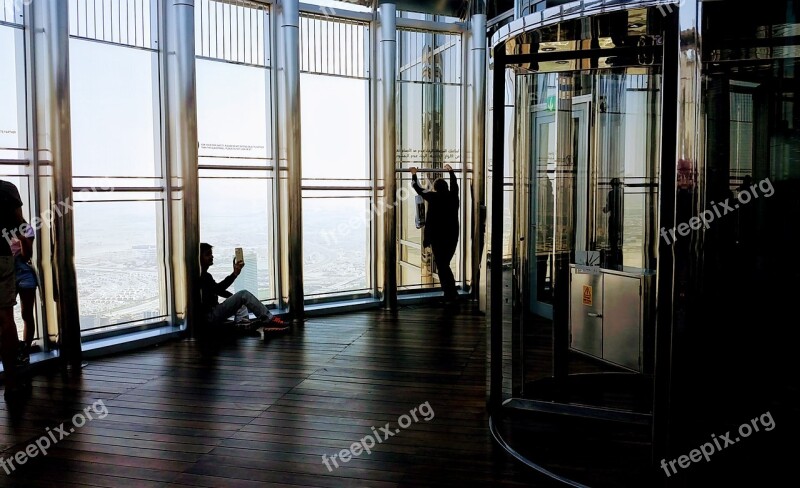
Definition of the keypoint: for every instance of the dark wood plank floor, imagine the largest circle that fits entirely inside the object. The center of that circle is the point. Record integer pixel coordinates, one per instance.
(264, 413)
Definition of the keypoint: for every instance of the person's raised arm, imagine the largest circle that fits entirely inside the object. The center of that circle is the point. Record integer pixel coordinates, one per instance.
(415, 185)
(222, 286)
(453, 179)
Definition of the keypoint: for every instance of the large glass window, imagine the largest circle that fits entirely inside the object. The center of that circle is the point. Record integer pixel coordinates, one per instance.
(335, 128)
(13, 106)
(236, 211)
(120, 267)
(235, 137)
(429, 135)
(14, 144)
(117, 163)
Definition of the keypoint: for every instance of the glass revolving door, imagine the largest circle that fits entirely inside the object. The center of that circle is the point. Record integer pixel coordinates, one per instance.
(586, 191)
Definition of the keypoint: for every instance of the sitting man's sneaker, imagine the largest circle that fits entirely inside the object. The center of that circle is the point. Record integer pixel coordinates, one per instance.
(275, 324)
(248, 327)
(243, 323)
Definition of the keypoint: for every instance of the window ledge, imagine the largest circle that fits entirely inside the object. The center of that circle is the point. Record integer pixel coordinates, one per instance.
(131, 340)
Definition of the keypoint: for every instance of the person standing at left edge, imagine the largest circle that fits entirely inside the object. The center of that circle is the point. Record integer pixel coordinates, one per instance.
(11, 220)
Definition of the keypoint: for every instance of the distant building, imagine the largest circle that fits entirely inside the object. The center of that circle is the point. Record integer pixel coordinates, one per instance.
(248, 280)
(88, 321)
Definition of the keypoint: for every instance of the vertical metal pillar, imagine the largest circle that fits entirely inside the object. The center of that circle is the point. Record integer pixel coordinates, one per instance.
(289, 96)
(388, 75)
(478, 130)
(54, 149)
(182, 156)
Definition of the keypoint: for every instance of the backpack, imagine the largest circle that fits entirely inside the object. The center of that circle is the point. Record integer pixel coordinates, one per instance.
(419, 218)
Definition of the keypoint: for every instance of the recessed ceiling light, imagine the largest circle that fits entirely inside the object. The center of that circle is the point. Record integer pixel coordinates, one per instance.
(562, 62)
(548, 49)
(634, 26)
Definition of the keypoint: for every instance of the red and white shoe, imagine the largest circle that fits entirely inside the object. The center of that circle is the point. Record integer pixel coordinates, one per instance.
(275, 324)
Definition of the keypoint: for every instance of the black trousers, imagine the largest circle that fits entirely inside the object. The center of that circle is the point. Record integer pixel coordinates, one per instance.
(443, 253)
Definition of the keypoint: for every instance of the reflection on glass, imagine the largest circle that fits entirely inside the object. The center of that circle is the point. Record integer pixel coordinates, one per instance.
(429, 124)
(235, 213)
(627, 148)
(335, 244)
(118, 262)
(593, 148)
(741, 135)
(543, 199)
(233, 111)
(508, 224)
(115, 110)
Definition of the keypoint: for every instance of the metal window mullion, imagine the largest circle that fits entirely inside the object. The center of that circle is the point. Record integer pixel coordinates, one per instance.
(251, 36)
(335, 46)
(328, 46)
(311, 48)
(350, 46)
(237, 9)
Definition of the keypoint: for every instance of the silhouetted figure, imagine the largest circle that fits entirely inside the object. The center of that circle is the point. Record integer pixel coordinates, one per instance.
(614, 208)
(441, 227)
(215, 313)
(27, 283)
(11, 223)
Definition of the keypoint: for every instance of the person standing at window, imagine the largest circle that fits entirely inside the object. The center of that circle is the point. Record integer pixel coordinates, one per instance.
(26, 287)
(441, 228)
(11, 223)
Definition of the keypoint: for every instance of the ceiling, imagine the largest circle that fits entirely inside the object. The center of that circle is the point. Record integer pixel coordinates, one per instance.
(452, 8)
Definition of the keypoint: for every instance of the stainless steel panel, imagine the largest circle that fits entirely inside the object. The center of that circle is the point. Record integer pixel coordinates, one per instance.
(478, 131)
(54, 143)
(586, 312)
(181, 88)
(387, 15)
(622, 320)
(288, 20)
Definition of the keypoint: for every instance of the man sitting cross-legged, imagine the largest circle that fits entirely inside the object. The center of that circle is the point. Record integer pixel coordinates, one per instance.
(238, 303)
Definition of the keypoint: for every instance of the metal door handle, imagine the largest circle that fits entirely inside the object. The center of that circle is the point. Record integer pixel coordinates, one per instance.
(598, 315)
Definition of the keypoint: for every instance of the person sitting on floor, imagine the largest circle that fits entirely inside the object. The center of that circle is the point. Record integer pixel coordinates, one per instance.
(238, 303)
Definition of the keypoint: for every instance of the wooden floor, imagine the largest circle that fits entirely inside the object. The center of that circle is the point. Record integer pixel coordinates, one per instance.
(263, 414)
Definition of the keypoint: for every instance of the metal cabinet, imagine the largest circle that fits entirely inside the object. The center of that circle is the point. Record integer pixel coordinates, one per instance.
(611, 315)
